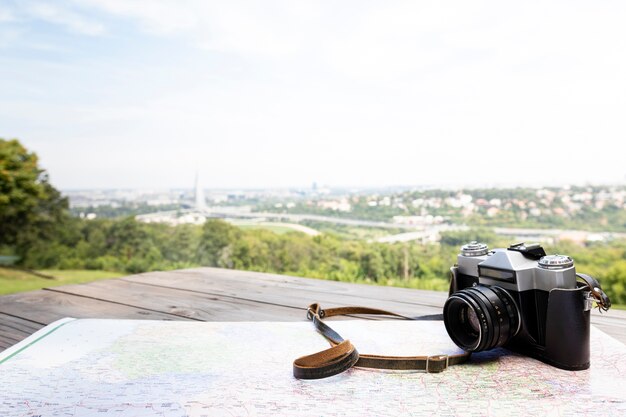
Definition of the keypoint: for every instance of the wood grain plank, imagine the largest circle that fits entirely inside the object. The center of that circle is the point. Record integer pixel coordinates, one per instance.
(374, 292)
(19, 322)
(9, 335)
(4, 344)
(18, 326)
(47, 306)
(14, 329)
(181, 303)
(260, 291)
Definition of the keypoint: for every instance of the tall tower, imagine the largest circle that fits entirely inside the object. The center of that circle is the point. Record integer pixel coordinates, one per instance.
(199, 194)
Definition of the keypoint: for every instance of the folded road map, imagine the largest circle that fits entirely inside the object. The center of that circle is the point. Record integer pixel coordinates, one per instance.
(131, 368)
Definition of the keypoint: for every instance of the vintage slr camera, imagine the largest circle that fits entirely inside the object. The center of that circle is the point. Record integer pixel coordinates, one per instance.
(523, 300)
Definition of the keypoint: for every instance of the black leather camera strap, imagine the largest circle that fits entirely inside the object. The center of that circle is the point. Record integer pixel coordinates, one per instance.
(343, 355)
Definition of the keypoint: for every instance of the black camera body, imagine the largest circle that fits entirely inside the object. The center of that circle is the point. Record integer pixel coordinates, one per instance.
(520, 299)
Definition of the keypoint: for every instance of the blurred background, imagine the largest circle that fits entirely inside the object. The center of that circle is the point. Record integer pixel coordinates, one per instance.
(359, 141)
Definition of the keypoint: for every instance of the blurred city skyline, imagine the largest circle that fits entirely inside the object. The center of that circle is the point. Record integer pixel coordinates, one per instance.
(116, 94)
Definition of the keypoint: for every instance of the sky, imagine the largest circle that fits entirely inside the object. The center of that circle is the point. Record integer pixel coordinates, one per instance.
(255, 94)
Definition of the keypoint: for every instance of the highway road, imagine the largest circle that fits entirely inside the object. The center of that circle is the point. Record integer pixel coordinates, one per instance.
(428, 232)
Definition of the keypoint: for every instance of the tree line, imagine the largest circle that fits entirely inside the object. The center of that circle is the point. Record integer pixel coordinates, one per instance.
(127, 245)
(36, 225)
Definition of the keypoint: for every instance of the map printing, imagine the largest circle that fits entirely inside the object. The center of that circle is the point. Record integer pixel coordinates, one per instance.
(128, 368)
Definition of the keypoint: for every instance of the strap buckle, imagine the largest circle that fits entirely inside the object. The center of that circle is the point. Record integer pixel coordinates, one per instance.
(602, 300)
(310, 313)
(436, 363)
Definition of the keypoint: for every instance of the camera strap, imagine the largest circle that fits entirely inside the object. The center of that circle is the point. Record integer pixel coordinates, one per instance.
(342, 355)
(595, 291)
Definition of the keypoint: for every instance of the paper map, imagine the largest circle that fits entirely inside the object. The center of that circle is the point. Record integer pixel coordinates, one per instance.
(128, 368)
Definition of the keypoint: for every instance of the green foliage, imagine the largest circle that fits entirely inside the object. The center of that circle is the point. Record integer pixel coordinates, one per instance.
(216, 246)
(605, 261)
(123, 208)
(458, 238)
(32, 211)
(128, 246)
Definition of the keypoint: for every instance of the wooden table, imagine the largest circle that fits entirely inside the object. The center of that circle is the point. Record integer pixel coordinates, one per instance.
(212, 294)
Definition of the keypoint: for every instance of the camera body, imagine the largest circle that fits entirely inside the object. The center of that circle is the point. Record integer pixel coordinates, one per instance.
(520, 299)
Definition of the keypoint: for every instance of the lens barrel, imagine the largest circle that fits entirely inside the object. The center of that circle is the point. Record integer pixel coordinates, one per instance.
(481, 317)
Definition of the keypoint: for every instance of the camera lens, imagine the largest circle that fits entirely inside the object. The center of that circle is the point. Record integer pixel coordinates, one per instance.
(473, 320)
(481, 318)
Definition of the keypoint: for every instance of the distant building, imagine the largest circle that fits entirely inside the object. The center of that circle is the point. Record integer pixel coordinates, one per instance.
(336, 205)
(199, 195)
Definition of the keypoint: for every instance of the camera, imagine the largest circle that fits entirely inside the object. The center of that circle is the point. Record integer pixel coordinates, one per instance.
(521, 299)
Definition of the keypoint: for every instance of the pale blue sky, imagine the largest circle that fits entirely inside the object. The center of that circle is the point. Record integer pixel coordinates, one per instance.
(122, 93)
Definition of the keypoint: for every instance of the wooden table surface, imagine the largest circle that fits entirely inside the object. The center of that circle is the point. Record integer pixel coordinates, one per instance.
(212, 294)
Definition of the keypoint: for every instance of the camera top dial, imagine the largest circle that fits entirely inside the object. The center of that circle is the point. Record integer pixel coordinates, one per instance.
(555, 262)
(474, 249)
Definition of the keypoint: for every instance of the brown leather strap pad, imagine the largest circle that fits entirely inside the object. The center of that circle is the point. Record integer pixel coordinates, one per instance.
(326, 363)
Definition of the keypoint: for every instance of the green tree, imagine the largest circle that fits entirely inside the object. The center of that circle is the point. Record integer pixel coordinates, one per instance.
(216, 241)
(32, 211)
(180, 243)
(372, 266)
(614, 282)
(461, 237)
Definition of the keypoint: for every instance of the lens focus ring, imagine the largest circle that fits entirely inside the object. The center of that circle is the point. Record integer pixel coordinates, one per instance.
(481, 318)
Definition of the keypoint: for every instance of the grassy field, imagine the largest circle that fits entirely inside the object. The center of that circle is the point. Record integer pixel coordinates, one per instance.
(276, 227)
(12, 281)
